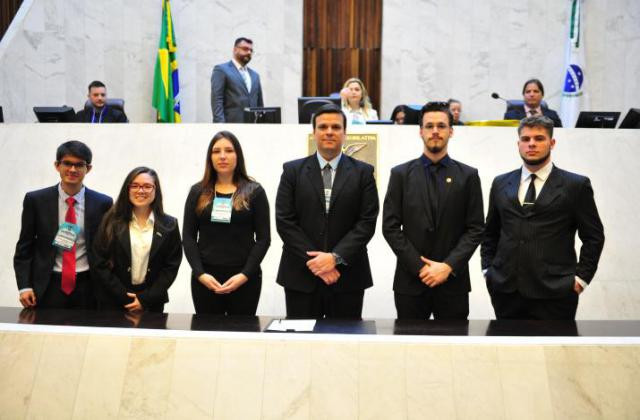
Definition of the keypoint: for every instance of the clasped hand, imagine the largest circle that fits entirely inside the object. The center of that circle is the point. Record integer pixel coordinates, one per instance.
(434, 273)
(323, 265)
(232, 284)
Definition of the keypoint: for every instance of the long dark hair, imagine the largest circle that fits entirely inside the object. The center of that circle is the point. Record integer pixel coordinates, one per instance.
(117, 219)
(244, 184)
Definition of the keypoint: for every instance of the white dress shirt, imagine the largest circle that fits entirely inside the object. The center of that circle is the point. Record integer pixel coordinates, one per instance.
(141, 238)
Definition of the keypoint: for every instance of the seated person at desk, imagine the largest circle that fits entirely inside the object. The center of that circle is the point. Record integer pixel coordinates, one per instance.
(532, 92)
(99, 112)
(398, 114)
(138, 248)
(455, 107)
(356, 104)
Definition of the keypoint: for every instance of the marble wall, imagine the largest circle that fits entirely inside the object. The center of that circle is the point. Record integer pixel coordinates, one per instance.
(431, 49)
(177, 151)
(273, 376)
(54, 48)
(468, 49)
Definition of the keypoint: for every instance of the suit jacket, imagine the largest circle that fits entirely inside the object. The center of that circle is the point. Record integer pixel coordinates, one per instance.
(229, 95)
(112, 268)
(533, 252)
(304, 225)
(412, 230)
(111, 115)
(35, 255)
(518, 113)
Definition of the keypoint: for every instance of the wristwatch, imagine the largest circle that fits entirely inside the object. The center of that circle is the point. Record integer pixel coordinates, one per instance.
(338, 258)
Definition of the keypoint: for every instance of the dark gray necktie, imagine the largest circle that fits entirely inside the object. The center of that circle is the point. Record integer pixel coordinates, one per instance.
(530, 196)
(326, 176)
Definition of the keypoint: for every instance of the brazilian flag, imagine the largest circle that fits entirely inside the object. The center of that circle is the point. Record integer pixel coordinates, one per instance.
(165, 81)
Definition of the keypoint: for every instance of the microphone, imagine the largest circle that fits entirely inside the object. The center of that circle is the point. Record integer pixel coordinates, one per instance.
(494, 95)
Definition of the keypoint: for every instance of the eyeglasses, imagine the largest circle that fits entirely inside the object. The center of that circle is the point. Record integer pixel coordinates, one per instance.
(68, 164)
(146, 188)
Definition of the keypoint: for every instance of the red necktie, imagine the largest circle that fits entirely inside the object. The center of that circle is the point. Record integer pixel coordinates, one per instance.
(69, 257)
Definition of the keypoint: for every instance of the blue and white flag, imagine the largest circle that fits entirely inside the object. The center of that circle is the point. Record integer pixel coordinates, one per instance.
(574, 96)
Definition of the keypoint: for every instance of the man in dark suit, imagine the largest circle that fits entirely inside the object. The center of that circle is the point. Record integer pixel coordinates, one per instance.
(433, 221)
(326, 211)
(99, 112)
(53, 257)
(234, 86)
(532, 93)
(528, 251)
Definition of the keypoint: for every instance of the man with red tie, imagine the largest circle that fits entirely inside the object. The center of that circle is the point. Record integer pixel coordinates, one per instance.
(52, 257)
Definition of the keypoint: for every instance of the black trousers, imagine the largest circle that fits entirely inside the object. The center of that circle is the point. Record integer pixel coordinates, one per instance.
(107, 304)
(432, 302)
(242, 301)
(82, 297)
(515, 306)
(324, 302)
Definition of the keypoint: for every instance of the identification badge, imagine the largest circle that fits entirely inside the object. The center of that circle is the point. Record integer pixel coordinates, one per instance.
(67, 236)
(221, 211)
(327, 199)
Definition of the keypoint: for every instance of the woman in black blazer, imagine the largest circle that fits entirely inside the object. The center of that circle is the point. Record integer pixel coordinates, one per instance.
(226, 232)
(137, 249)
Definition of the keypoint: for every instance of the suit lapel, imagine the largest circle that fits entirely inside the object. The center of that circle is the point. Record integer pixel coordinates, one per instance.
(511, 189)
(51, 212)
(550, 190)
(238, 76)
(418, 178)
(90, 209)
(159, 233)
(124, 239)
(342, 174)
(312, 168)
(449, 179)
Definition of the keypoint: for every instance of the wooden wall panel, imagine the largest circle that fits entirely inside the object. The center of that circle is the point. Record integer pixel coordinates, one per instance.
(8, 9)
(342, 39)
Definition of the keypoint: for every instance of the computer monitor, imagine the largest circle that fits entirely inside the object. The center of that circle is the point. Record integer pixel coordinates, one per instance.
(308, 105)
(262, 115)
(597, 119)
(49, 114)
(632, 119)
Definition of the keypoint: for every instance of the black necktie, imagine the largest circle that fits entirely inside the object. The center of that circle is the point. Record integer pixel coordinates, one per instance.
(530, 196)
(434, 190)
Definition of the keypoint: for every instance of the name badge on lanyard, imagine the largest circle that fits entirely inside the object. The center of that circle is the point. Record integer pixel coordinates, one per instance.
(67, 236)
(221, 210)
(327, 199)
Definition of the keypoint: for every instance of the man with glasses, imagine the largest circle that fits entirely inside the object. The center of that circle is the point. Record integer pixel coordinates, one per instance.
(433, 220)
(234, 86)
(53, 257)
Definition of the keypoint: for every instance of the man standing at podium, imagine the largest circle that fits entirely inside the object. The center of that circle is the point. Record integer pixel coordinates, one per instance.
(433, 221)
(528, 251)
(234, 86)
